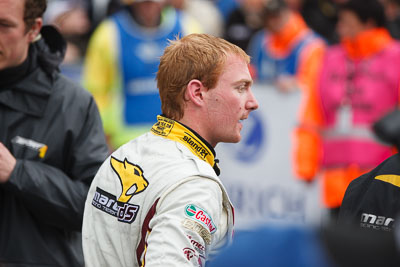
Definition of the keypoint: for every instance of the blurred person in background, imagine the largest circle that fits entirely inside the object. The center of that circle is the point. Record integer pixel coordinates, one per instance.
(319, 15)
(76, 20)
(204, 12)
(51, 143)
(392, 11)
(71, 18)
(122, 60)
(286, 53)
(243, 22)
(359, 83)
(157, 200)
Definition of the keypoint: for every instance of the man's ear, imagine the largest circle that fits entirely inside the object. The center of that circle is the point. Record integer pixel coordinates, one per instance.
(194, 92)
(35, 29)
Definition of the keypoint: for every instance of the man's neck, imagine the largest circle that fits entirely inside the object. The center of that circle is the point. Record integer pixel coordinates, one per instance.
(179, 132)
(198, 127)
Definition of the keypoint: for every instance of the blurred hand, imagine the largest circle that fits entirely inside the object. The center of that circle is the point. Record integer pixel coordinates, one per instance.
(7, 163)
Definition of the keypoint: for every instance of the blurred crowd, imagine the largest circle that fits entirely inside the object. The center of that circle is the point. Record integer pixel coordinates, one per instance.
(342, 55)
(235, 20)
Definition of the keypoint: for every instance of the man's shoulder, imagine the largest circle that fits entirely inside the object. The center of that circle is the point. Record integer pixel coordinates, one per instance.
(390, 166)
(358, 187)
(372, 191)
(69, 89)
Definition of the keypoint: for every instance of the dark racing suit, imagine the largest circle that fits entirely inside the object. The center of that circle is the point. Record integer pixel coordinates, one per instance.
(373, 199)
(53, 128)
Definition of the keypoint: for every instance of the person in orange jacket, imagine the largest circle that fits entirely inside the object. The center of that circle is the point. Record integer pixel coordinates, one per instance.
(286, 53)
(357, 84)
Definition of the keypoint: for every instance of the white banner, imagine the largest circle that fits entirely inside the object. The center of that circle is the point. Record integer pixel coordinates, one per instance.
(258, 172)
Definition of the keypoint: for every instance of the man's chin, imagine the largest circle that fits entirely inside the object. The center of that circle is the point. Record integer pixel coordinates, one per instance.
(235, 139)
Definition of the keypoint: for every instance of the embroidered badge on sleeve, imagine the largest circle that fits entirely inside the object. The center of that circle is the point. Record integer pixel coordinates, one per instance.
(201, 216)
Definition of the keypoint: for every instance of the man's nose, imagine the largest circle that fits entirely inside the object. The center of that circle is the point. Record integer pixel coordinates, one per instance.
(252, 103)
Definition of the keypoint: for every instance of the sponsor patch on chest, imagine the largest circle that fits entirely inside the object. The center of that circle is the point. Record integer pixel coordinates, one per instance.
(201, 216)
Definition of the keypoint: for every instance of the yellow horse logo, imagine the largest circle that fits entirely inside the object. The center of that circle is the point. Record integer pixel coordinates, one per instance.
(131, 178)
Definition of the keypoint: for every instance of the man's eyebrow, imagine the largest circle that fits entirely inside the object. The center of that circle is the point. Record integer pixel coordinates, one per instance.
(243, 81)
(7, 21)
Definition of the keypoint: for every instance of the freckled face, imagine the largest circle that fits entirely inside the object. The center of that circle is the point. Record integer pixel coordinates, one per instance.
(229, 102)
